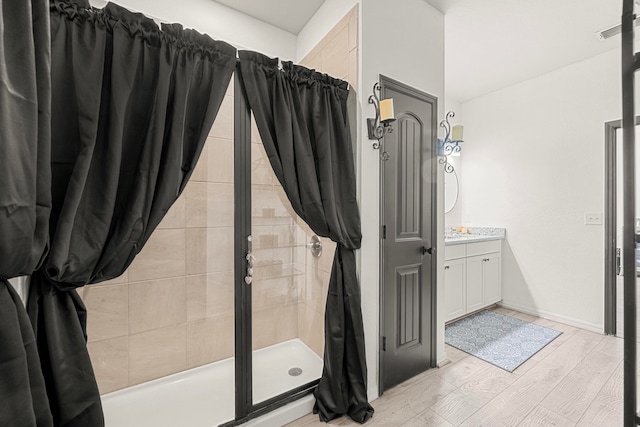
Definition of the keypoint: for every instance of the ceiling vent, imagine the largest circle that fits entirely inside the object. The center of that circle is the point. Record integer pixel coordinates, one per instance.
(616, 29)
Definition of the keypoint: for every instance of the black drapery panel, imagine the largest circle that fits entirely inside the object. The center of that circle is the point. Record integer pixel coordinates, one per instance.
(132, 106)
(25, 200)
(301, 116)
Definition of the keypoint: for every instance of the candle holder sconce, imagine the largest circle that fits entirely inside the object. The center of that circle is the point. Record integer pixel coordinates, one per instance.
(450, 144)
(381, 123)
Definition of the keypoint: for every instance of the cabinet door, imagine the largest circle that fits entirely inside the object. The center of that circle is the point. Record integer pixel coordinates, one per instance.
(491, 278)
(475, 294)
(454, 289)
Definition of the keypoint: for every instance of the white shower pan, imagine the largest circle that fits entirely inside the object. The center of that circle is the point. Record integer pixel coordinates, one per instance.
(204, 396)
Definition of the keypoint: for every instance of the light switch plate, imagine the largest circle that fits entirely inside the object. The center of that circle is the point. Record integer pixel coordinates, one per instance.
(593, 218)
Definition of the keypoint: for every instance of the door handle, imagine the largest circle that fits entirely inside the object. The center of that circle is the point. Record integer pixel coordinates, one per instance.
(425, 250)
(248, 279)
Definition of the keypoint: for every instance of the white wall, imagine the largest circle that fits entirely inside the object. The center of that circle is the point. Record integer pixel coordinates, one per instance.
(220, 22)
(406, 43)
(533, 162)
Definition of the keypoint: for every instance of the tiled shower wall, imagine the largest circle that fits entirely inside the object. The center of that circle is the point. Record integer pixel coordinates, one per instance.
(173, 308)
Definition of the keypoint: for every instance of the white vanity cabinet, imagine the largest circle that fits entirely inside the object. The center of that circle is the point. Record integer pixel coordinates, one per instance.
(472, 277)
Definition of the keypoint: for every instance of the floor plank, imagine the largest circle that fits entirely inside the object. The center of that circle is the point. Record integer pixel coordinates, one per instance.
(459, 405)
(463, 371)
(553, 368)
(427, 418)
(589, 376)
(606, 408)
(510, 407)
(542, 417)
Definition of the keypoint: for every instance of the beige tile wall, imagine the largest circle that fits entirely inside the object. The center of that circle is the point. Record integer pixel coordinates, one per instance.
(173, 308)
(337, 55)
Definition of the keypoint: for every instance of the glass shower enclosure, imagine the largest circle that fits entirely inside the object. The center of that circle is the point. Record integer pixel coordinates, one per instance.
(220, 318)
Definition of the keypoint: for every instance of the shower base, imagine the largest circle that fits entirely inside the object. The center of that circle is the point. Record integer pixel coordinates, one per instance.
(204, 396)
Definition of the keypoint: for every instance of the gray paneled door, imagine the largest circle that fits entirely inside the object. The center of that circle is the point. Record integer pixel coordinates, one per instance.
(408, 233)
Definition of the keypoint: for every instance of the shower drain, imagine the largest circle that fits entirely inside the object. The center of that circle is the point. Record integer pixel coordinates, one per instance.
(294, 372)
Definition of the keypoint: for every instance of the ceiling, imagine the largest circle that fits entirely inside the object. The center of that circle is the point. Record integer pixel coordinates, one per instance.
(290, 15)
(492, 44)
(489, 44)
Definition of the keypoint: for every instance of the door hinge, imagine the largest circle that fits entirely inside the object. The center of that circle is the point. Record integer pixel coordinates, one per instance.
(384, 231)
(384, 343)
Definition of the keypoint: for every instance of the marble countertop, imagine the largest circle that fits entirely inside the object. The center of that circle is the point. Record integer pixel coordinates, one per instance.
(473, 234)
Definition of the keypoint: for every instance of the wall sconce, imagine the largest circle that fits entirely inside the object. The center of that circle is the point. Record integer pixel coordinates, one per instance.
(381, 123)
(450, 145)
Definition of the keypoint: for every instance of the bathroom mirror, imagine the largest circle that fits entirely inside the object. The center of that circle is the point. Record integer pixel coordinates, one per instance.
(451, 190)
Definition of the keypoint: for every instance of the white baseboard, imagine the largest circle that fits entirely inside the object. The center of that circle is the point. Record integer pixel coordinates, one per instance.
(286, 414)
(445, 361)
(372, 393)
(593, 327)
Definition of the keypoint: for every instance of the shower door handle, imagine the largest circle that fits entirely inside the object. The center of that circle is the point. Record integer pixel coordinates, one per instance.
(250, 261)
(248, 279)
(315, 246)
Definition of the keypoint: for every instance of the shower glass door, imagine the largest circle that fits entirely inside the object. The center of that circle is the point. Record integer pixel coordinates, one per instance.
(619, 233)
(288, 288)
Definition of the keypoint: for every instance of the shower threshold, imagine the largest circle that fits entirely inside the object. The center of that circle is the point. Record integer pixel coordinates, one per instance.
(204, 396)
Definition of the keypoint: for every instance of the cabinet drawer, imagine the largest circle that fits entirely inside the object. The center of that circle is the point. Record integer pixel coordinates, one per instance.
(454, 251)
(479, 248)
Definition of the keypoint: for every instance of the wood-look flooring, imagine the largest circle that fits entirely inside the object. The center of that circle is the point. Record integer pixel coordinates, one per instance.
(576, 380)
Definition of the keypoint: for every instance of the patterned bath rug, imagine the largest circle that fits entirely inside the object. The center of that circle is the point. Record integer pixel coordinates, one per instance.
(501, 340)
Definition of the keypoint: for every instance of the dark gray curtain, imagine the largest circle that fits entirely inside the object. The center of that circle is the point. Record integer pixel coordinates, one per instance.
(302, 118)
(132, 106)
(25, 200)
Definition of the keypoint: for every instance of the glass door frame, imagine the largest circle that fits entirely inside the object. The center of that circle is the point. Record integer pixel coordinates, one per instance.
(610, 224)
(245, 408)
